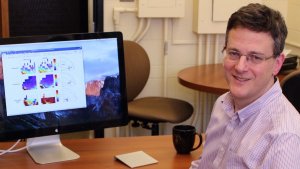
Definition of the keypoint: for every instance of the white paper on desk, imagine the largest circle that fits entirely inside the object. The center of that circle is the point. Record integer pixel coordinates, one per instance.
(136, 159)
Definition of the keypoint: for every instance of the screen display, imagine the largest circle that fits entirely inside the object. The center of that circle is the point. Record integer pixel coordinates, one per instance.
(44, 79)
(61, 83)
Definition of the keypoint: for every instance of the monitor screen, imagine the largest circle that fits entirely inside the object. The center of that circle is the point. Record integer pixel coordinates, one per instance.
(61, 83)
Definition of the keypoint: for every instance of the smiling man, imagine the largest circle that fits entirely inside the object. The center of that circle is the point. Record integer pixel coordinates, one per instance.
(253, 125)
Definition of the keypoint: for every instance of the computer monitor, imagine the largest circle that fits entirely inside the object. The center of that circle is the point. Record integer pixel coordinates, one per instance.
(57, 84)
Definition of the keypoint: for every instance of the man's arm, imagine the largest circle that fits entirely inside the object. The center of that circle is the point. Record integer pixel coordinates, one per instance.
(285, 153)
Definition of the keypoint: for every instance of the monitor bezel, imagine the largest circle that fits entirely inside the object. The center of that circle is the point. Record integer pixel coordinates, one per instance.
(123, 120)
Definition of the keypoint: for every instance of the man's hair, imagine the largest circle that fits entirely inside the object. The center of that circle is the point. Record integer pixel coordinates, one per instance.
(260, 18)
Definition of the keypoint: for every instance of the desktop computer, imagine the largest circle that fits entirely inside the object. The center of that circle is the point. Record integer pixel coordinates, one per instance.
(56, 84)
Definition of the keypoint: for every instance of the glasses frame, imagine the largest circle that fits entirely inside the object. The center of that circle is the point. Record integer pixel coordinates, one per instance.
(252, 58)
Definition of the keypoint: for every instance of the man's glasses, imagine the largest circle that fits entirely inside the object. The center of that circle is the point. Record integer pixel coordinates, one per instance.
(253, 58)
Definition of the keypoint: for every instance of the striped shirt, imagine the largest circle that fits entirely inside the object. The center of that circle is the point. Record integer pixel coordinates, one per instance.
(263, 135)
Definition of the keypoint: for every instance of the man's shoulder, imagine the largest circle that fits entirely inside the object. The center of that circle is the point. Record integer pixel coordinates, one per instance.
(286, 120)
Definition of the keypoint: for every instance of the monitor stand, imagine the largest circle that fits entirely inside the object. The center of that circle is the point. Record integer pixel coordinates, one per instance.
(49, 149)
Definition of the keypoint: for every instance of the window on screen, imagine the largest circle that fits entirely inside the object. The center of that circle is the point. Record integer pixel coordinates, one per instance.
(43, 80)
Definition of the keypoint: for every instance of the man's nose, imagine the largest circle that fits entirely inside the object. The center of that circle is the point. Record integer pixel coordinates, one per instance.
(242, 63)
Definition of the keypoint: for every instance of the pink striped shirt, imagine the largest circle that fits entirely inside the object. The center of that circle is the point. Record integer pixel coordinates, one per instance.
(263, 135)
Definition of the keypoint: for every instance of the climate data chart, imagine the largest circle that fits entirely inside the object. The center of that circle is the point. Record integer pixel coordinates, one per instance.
(48, 81)
(44, 80)
(30, 100)
(28, 67)
(29, 83)
(47, 65)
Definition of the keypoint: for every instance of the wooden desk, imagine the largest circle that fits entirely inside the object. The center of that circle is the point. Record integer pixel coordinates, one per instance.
(208, 78)
(99, 153)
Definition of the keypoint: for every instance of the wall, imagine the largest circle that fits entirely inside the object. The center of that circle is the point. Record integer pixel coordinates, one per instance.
(293, 40)
(172, 46)
(180, 53)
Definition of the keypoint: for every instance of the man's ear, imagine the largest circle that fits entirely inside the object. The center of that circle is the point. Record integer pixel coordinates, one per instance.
(278, 63)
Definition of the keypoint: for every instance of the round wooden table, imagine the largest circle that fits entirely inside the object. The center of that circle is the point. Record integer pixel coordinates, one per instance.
(208, 78)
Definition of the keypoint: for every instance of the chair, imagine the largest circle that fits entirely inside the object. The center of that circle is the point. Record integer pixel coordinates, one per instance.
(148, 112)
(290, 88)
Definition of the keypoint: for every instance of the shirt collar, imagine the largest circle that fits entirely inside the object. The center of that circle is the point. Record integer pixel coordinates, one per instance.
(253, 108)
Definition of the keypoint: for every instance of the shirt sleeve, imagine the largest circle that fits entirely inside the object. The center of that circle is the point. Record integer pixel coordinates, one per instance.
(285, 153)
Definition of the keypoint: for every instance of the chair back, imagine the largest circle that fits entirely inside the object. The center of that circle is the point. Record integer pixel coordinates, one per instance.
(137, 67)
(291, 88)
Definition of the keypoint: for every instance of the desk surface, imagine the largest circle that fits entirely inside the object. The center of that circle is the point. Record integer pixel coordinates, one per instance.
(207, 78)
(99, 153)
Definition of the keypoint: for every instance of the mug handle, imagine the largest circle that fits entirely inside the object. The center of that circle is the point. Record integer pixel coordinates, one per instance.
(200, 142)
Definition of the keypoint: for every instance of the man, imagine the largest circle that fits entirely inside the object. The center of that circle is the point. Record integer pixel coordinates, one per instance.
(253, 125)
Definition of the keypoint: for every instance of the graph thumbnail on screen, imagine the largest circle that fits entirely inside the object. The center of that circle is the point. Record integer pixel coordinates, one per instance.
(28, 67)
(48, 81)
(47, 65)
(50, 99)
(30, 101)
(29, 83)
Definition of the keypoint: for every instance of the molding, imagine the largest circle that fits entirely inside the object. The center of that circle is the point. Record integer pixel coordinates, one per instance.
(294, 44)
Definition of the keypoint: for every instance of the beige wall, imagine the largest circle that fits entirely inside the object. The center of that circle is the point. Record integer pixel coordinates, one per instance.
(181, 50)
(293, 22)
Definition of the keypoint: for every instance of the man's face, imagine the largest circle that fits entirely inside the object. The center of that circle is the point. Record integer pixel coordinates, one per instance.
(248, 81)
